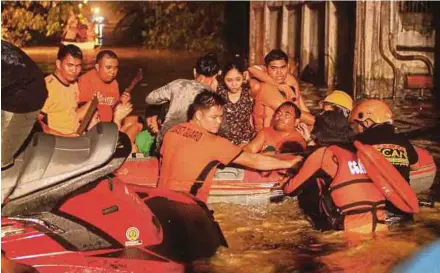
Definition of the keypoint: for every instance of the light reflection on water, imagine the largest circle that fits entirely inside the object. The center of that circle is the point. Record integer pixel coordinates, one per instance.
(277, 237)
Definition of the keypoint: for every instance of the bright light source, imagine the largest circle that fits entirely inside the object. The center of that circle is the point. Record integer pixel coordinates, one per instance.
(99, 19)
(85, 1)
(96, 10)
(80, 5)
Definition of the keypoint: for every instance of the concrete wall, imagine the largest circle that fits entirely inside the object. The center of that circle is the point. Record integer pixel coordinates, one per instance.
(380, 66)
(364, 48)
(275, 24)
(307, 32)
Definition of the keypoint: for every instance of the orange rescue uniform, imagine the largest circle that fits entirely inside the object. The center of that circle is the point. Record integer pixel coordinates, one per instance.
(359, 204)
(189, 158)
(89, 84)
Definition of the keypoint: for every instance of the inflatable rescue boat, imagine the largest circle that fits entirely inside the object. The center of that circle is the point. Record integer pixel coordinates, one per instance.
(234, 184)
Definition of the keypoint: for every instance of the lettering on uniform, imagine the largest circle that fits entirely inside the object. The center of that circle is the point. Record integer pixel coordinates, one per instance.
(107, 100)
(356, 167)
(187, 132)
(395, 154)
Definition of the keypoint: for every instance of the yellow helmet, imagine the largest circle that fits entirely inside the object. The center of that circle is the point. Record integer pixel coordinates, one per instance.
(373, 109)
(341, 99)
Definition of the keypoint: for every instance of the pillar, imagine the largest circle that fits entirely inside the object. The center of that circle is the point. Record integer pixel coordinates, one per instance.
(331, 45)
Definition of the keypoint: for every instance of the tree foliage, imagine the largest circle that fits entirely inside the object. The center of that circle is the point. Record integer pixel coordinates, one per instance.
(159, 25)
(176, 25)
(24, 22)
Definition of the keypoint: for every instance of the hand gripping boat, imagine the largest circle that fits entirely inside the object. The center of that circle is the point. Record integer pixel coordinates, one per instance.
(66, 212)
(248, 187)
(387, 178)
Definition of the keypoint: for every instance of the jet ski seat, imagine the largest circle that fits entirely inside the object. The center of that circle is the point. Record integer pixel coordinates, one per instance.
(49, 160)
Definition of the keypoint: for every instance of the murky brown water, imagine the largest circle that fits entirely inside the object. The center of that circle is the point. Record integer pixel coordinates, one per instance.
(277, 237)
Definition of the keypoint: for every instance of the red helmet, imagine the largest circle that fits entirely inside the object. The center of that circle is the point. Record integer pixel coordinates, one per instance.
(373, 109)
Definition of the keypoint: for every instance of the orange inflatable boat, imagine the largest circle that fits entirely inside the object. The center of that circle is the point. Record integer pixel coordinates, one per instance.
(231, 184)
(249, 187)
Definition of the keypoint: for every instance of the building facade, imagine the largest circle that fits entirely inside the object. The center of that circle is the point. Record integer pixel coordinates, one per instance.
(371, 49)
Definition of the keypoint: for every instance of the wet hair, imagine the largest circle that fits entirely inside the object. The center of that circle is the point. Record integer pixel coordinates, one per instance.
(150, 111)
(342, 110)
(291, 105)
(207, 65)
(106, 53)
(153, 110)
(238, 63)
(338, 108)
(275, 55)
(332, 127)
(71, 50)
(203, 101)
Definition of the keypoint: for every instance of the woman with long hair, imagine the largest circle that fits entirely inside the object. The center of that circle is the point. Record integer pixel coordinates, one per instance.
(234, 88)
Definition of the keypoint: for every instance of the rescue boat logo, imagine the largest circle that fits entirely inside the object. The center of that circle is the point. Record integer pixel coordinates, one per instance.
(132, 235)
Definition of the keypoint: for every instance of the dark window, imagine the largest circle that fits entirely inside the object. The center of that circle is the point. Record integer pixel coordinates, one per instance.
(415, 6)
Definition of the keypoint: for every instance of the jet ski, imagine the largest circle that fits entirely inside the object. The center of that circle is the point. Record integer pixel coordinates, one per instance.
(65, 211)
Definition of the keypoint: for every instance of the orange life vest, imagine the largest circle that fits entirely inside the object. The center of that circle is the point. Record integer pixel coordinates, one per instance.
(355, 200)
(261, 113)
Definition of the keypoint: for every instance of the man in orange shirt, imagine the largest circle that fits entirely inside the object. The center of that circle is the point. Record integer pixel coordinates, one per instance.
(192, 151)
(101, 82)
(282, 136)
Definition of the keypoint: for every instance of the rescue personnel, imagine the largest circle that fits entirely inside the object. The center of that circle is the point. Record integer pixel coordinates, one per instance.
(336, 101)
(268, 97)
(281, 134)
(372, 119)
(348, 198)
(192, 151)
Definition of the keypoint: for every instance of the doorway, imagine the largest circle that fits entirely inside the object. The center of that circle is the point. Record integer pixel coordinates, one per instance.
(346, 16)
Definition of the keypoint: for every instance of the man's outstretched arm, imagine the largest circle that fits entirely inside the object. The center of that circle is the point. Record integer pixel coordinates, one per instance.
(264, 162)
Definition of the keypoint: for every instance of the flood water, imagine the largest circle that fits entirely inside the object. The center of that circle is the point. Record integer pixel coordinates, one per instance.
(277, 237)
